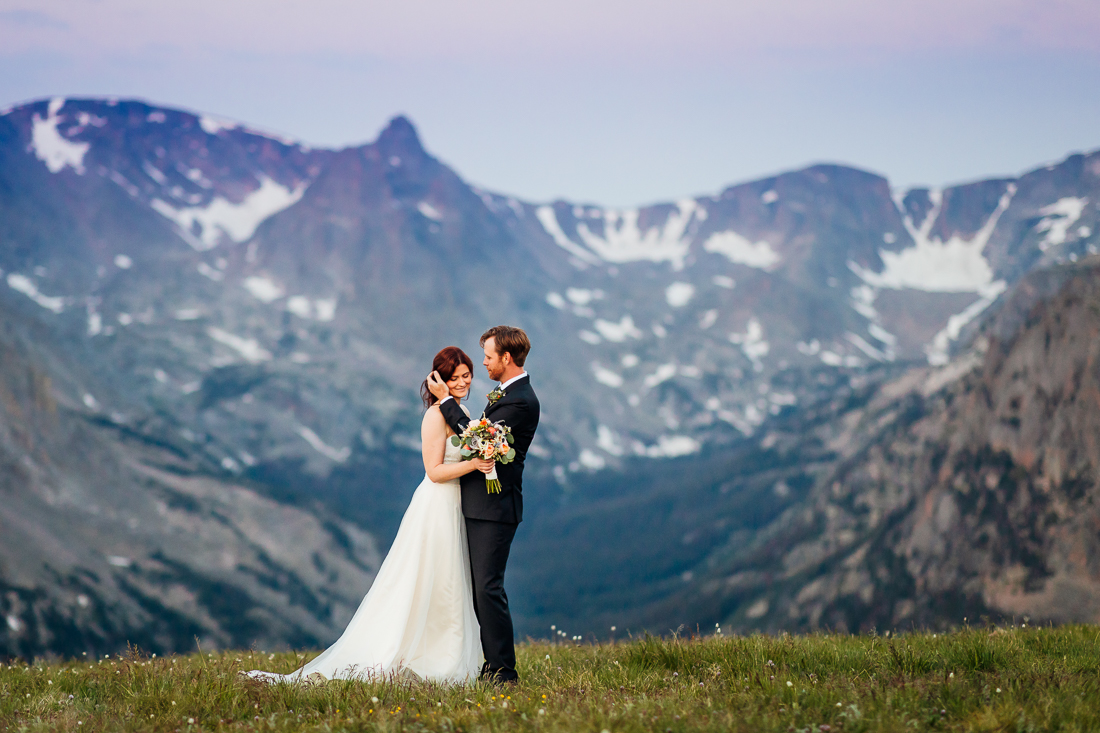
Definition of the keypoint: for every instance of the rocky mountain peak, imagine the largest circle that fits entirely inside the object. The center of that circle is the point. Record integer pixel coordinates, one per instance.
(400, 138)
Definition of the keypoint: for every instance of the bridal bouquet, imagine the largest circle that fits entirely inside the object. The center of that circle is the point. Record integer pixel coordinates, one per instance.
(491, 441)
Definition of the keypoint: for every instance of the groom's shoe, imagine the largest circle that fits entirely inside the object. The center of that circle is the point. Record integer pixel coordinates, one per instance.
(496, 677)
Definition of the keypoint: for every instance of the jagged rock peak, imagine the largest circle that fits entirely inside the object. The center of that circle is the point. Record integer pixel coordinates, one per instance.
(399, 137)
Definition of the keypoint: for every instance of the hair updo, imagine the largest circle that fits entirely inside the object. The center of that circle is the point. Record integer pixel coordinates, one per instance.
(445, 362)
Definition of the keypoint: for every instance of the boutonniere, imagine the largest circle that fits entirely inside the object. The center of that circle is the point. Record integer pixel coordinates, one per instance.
(495, 395)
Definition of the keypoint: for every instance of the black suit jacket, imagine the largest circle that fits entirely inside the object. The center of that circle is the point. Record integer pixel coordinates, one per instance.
(519, 410)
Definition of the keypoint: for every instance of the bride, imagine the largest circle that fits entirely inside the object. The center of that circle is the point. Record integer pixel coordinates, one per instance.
(418, 616)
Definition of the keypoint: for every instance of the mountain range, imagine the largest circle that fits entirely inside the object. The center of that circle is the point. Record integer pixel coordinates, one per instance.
(247, 314)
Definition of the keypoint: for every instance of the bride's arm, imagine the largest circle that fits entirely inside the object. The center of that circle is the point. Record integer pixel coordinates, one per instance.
(433, 438)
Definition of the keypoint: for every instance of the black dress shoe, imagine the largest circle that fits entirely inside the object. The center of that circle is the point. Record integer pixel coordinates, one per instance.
(496, 677)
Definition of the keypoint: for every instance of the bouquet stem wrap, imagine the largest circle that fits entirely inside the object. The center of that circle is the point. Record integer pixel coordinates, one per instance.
(492, 483)
(490, 441)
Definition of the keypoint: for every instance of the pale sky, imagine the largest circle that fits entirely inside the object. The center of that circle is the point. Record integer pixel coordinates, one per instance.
(610, 102)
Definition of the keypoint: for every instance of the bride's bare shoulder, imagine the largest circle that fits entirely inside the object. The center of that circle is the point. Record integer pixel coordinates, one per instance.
(433, 418)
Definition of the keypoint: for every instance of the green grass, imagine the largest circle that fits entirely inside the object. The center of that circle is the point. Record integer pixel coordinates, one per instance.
(993, 679)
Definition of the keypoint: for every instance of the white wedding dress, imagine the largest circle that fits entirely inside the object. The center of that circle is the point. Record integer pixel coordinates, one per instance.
(418, 616)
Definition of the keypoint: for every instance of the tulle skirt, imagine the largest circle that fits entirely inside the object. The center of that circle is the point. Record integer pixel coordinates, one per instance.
(418, 616)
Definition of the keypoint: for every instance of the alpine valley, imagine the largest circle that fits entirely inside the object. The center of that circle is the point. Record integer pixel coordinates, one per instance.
(806, 401)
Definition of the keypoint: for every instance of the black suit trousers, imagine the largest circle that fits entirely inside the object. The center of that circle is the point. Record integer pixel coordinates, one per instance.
(490, 542)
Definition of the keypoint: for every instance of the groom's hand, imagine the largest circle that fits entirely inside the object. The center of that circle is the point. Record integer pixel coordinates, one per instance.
(437, 386)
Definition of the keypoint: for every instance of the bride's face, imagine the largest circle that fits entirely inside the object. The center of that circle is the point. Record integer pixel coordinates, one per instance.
(459, 383)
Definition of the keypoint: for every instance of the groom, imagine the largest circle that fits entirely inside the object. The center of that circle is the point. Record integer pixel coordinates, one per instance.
(492, 519)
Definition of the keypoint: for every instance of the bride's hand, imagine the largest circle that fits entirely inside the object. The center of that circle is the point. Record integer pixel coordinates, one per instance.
(437, 386)
(480, 464)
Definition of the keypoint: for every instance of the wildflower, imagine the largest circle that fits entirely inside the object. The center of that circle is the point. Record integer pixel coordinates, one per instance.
(190, 721)
(998, 689)
(542, 711)
(952, 675)
(790, 684)
(839, 705)
(374, 700)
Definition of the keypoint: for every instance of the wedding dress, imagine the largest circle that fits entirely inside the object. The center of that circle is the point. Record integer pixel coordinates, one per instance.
(418, 616)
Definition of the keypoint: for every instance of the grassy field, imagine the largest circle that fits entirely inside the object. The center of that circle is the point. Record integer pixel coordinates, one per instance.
(989, 679)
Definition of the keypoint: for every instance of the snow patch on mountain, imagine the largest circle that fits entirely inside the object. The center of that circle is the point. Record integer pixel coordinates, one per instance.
(663, 373)
(429, 211)
(212, 125)
(752, 343)
(741, 251)
(49, 146)
(322, 309)
(337, 455)
(209, 272)
(678, 294)
(938, 349)
(623, 240)
(932, 265)
(263, 289)
(608, 441)
(583, 296)
(23, 284)
(669, 446)
(250, 349)
(606, 376)
(203, 227)
(1057, 220)
(591, 460)
(617, 332)
(549, 221)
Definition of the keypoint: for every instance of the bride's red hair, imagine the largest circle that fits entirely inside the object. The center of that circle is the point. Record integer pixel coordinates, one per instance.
(445, 362)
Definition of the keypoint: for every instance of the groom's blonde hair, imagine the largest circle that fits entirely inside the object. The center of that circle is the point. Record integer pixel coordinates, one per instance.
(511, 340)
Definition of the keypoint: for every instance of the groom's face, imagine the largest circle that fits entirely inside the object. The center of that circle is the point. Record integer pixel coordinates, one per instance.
(494, 362)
